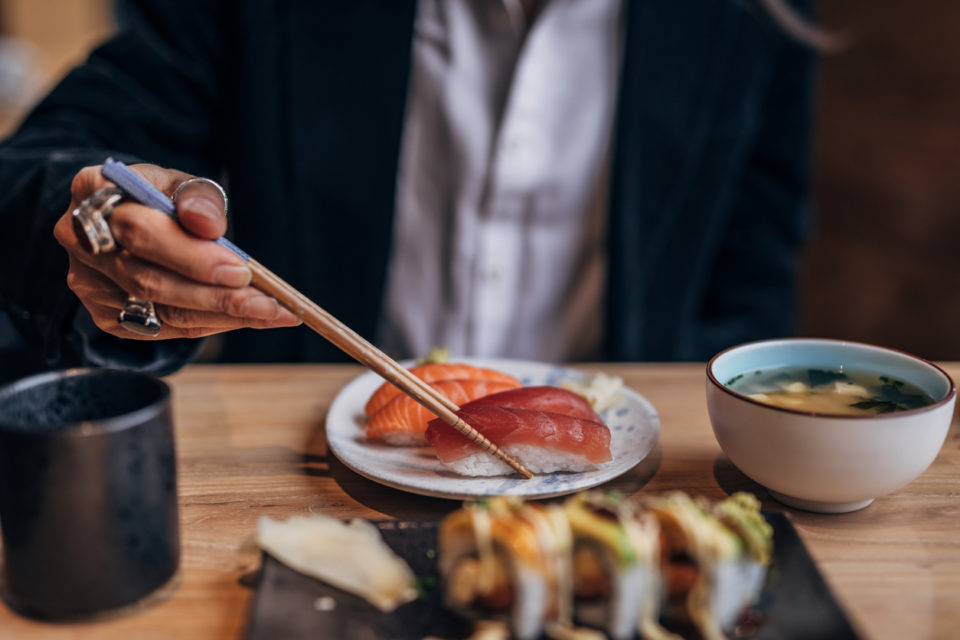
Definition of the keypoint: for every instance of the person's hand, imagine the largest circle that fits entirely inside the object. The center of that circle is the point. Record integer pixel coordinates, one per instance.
(197, 286)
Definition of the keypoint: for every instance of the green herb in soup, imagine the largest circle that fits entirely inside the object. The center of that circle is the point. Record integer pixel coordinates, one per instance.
(828, 391)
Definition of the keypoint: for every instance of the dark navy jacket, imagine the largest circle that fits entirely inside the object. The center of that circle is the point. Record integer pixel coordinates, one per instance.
(298, 107)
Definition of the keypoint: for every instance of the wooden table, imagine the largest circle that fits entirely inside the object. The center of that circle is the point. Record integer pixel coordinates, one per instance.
(251, 443)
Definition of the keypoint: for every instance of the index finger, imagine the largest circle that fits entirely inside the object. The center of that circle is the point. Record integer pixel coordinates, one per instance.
(86, 181)
(155, 237)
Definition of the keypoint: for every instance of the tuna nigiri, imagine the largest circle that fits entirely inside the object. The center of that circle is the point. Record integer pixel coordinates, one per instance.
(542, 398)
(403, 420)
(544, 442)
(435, 372)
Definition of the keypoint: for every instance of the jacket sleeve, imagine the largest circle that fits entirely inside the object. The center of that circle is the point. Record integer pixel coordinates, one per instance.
(751, 291)
(152, 93)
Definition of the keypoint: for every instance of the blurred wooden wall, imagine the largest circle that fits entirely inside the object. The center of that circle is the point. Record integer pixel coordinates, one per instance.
(883, 265)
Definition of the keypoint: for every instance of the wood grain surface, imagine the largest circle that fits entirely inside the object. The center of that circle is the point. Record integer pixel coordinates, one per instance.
(251, 443)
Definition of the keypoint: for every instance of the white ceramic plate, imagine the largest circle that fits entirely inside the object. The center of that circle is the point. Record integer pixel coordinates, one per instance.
(634, 429)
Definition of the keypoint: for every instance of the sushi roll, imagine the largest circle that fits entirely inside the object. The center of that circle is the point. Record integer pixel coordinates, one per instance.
(616, 557)
(508, 560)
(740, 513)
(613, 565)
(714, 558)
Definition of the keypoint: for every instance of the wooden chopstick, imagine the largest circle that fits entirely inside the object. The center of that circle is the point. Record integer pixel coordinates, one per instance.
(139, 189)
(354, 345)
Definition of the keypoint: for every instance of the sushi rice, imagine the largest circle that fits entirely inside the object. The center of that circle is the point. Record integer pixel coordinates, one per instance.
(536, 459)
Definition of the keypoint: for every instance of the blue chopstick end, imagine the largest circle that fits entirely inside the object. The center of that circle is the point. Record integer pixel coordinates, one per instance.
(137, 188)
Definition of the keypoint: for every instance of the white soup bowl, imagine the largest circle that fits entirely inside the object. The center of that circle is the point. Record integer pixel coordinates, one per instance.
(826, 462)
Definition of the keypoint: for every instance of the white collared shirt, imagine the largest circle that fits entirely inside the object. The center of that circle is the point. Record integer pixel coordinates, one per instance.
(499, 237)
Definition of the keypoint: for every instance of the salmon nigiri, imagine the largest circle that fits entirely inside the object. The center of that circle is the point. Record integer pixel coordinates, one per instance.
(403, 420)
(544, 442)
(434, 372)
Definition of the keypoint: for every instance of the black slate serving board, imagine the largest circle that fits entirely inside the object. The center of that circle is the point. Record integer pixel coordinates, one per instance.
(795, 604)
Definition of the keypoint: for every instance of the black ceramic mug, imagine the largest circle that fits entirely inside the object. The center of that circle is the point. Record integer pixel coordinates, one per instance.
(88, 491)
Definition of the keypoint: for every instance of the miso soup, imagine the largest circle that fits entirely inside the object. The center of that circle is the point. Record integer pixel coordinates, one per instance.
(829, 391)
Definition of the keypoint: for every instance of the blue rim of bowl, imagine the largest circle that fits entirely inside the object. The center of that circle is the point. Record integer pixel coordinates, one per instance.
(84, 428)
(870, 416)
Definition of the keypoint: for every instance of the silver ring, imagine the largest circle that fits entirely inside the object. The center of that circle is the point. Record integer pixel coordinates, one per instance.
(90, 220)
(139, 316)
(185, 183)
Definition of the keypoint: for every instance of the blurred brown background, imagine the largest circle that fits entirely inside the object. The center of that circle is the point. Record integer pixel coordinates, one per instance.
(883, 264)
(39, 41)
(884, 260)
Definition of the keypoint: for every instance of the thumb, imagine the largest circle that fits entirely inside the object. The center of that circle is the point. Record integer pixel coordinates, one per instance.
(201, 208)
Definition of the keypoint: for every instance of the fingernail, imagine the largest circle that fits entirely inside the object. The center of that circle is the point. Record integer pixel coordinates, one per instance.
(231, 275)
(202, 206)
(261, 307)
